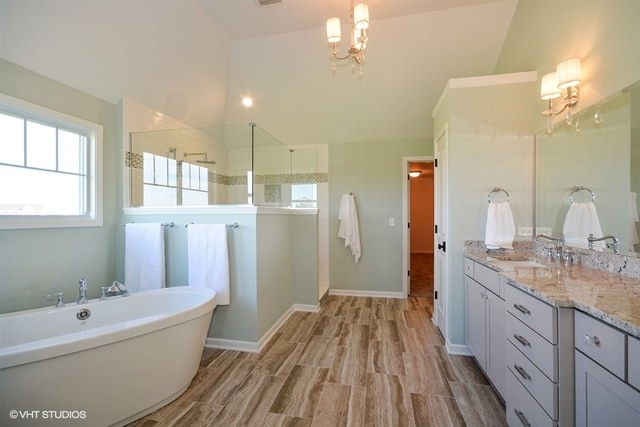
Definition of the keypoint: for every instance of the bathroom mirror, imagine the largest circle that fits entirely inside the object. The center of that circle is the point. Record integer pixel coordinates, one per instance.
(602, 157)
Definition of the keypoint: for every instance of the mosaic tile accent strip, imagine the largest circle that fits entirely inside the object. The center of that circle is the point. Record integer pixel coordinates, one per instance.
(135, 160)
(273, 193)
(292, 178)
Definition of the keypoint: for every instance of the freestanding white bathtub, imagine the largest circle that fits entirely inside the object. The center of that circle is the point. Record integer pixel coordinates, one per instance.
(129, 357)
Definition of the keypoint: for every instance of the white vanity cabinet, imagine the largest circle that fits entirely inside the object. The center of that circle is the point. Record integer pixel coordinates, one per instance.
(606, 363)
(539, 361)
(486, 321)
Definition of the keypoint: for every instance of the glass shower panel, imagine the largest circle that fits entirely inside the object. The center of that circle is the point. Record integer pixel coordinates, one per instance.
(271, 170)
(232, 164)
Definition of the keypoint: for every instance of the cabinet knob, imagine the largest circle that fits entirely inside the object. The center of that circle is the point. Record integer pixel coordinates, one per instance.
(588, 340)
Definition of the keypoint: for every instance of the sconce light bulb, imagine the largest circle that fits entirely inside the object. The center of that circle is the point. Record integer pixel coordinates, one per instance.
(597, 117)
(247, 102)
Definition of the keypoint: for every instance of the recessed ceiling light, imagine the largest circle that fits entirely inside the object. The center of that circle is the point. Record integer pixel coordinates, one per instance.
(247, 101)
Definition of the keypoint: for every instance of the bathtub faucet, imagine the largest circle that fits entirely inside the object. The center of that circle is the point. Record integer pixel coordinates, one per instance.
(82, 291)
(116, 288)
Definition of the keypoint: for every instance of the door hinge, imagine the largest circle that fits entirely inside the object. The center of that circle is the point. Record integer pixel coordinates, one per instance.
(408, 225)
(435, 295)
(436, 228)
(435, 163)
(408, 273)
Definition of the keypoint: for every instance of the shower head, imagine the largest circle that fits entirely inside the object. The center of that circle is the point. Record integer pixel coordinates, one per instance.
(205, 160)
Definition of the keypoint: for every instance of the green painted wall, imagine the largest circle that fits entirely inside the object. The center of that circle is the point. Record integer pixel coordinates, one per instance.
(373, 172)
(36, 262)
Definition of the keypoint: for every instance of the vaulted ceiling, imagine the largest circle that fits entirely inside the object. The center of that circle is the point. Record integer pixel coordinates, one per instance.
(195, 59)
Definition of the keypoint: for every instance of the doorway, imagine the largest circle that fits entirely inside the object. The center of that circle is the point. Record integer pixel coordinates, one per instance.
(419, 208)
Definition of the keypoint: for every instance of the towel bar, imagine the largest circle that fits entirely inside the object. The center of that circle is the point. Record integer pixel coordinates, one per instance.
(233, 225)
(578, 189)
(497, 190)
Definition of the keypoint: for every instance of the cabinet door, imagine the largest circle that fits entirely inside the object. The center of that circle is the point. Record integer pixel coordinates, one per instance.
(601, 398)
(476, 326)
(496, 365)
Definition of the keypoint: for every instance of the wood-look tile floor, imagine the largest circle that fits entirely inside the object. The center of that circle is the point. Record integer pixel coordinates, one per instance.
(360, 361)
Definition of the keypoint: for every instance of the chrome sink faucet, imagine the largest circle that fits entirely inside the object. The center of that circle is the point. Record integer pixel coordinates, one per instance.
(558, 240)
(591, 239)
(82, 291)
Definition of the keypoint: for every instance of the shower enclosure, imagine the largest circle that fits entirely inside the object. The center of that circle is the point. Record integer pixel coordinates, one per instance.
(226, 165)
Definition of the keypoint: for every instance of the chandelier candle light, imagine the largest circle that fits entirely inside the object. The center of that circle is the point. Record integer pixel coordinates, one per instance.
(359, 18)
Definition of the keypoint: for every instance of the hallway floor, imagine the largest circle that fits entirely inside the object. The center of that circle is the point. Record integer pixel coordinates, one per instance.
(421, 279)
(360, 361)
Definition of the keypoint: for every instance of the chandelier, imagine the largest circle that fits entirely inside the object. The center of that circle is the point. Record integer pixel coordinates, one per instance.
(359, 19)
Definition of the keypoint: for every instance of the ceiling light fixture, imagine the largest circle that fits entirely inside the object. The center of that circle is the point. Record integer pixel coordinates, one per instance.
(567, 76)
(247, 102)
(414, 174)
(359, 19)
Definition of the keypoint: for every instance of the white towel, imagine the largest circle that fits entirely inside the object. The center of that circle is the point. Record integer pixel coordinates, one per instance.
(500, 229)
(208, 259)
(144, 257)
(633, 218)
(582, 220)
(348, 228)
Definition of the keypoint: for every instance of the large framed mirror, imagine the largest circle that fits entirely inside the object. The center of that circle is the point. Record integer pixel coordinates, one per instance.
(595, 158)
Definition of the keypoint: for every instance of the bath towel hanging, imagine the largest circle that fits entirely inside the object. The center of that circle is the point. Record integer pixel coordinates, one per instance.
(348, 228)
(144, 267)
(580, 221)
(500, 228)
(208, 259)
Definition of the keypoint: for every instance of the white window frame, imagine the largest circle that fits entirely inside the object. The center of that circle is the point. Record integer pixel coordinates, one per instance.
(94, 215)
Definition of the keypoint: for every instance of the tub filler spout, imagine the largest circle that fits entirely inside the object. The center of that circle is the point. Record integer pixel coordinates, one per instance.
(116, 288)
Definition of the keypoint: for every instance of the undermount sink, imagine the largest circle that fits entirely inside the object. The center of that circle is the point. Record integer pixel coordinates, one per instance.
(532, 264)
(509, 257)
(521, 262)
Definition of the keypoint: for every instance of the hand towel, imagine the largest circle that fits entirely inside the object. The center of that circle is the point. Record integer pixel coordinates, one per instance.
(582, 220)
(633, 218)
(144, 257)
(208, 259)
(348, 228)
(500, 229)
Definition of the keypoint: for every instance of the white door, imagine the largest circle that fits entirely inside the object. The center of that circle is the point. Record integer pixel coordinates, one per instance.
(440, 242)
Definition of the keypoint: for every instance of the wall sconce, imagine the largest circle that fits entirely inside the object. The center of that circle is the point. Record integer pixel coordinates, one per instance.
(567, 76)
(414, 174)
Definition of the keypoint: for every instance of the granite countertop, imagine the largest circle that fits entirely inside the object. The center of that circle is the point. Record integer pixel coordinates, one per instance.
(611, 297)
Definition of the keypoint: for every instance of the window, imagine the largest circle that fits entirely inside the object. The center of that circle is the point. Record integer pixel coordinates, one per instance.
(304, 195)
(49, 168)
(164, 185)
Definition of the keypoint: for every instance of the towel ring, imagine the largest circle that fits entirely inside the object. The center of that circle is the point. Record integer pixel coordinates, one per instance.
(497, 190)
(578, 189)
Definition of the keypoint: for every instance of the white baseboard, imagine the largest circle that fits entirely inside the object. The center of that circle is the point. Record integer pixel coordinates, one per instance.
(375, 294)
(457, 349)
(256, 347)
(223, 344)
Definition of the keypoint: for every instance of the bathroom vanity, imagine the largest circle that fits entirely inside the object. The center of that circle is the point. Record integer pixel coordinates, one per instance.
(570, 347)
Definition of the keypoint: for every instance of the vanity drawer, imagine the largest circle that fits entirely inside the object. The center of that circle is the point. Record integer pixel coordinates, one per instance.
(538, 350)
(543, 390)
(601, 342)
(633, 356)
(522, 409)
(469, 267)
(487, 277)
(539, 316)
